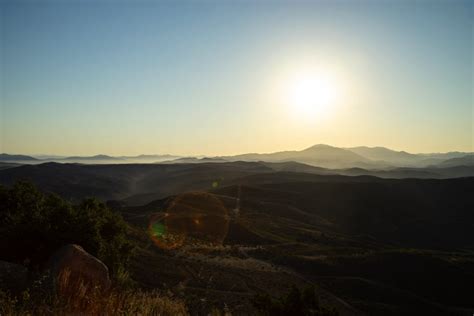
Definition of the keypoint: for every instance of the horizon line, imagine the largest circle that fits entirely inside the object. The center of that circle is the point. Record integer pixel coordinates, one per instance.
(228, 155)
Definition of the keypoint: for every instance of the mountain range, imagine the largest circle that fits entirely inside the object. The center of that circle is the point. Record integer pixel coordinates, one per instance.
(324, 156)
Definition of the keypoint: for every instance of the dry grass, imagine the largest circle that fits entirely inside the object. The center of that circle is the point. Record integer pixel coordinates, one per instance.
(114, 303)
(77, 298)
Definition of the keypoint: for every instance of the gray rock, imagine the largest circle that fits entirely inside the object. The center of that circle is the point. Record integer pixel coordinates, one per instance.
(72, 267)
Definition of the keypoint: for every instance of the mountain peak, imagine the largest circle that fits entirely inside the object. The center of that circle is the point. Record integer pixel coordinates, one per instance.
(320, 146)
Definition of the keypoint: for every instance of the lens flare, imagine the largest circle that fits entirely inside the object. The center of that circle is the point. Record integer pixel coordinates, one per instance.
(163, 235)
(216, 183)
(191, 218)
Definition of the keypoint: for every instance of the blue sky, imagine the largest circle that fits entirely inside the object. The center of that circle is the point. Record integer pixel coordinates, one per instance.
(205, 77)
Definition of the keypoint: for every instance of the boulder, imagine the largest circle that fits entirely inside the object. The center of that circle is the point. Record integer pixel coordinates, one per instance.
(72, 268)
(13, 277)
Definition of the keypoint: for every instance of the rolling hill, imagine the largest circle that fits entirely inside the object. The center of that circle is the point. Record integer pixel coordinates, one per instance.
(370, 245)
(142, 183)
(375, 246)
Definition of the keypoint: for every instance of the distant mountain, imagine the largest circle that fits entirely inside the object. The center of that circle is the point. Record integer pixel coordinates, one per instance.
(387, 155)
(467, 160)
(148, 158)
(445, 156)
(193, 160)
(318, 155)
(14, 158)
(323, 156)
(96, 157)
(48, 157)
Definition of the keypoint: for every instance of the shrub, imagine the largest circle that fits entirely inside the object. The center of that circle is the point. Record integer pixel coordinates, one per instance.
(33, 225)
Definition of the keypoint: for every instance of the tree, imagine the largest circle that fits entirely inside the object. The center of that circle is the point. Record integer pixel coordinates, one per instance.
(33, 225)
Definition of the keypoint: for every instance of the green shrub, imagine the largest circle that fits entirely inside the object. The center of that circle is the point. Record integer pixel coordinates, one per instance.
(33, 225)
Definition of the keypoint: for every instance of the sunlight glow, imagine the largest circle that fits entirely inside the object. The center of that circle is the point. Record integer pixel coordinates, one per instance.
(312, 95)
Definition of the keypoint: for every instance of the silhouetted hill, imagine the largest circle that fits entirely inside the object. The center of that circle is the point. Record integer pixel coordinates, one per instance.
(148, 158)
(14, 158)
(445, 156)
(137, 183)
(319, 155)
(392, 173)
(467, 160)
(421, 173)
(382, 208)
(323, 156)
(7, 165)
(392, 157)
(96, 158)
(141, 183)
(292, 166)
(193, 160)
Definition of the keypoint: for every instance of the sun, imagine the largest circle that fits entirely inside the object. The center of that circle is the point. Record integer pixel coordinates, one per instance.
(312, 95)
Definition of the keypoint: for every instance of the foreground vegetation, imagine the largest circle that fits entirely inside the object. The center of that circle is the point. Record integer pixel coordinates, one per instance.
(34, 225)
(117, 302)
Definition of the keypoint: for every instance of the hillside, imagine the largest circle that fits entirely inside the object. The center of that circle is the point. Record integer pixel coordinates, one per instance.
(369, 245)
(137, 184)
(372, 246)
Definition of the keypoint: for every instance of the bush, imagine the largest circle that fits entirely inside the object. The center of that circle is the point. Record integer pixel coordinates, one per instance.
(33, 225)
(295, 303)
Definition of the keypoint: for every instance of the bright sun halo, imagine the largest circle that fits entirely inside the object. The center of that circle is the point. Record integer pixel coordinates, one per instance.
(312, 96)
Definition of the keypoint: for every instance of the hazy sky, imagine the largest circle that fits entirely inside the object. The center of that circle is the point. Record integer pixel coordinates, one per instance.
(203, 77)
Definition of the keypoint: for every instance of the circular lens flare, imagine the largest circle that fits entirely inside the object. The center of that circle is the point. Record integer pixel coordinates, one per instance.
(191, 218)
(164, 235)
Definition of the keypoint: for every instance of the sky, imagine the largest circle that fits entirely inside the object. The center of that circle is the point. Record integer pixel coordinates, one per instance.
(212, 77)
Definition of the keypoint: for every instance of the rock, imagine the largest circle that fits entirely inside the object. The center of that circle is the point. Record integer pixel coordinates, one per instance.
(13, 277)
(71, 268)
